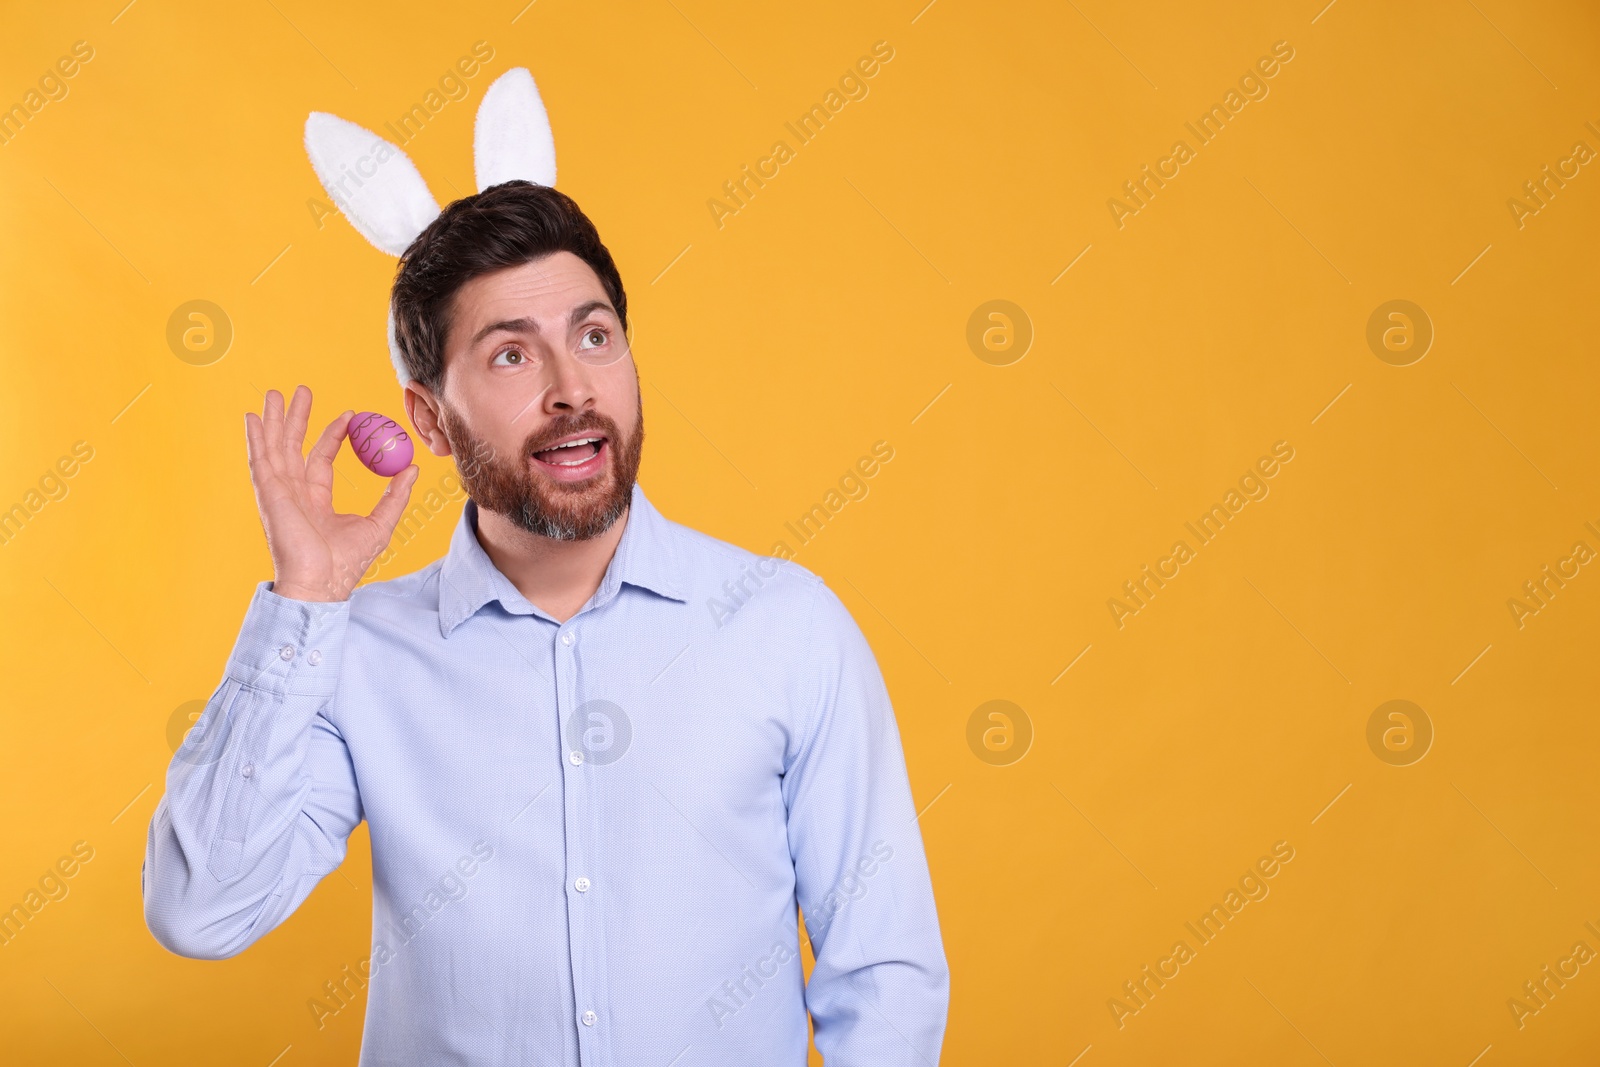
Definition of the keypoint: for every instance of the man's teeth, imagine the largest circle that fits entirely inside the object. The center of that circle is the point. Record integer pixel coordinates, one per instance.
(573, 444)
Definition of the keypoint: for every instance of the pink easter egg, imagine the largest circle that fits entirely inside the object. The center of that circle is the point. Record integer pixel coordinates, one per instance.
(379, 443)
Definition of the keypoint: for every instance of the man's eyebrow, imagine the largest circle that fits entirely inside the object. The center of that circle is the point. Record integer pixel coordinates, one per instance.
(527, 325)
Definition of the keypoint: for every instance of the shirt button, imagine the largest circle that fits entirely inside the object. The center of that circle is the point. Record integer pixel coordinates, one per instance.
(581, 885)
(567, 638)
(589, 1017)
(286, 652)
(248, 770)
(576, 758)
(314, 657)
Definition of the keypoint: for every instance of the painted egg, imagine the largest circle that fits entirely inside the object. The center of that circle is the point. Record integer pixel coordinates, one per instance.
(380, 443)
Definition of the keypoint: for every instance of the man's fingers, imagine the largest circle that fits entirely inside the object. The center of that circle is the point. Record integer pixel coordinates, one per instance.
(255, 444)
(295, 423)
(319, 464)
(272, 420)
(393, 502)
(272, 493)
(252, 438)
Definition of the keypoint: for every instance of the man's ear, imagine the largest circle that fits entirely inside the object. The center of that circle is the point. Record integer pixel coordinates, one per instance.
(422, 409)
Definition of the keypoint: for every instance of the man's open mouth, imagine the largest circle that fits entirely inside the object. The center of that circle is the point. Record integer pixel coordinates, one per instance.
(571, 453)
(575, 459)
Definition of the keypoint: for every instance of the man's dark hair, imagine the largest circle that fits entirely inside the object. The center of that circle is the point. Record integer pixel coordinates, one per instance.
(506, 225)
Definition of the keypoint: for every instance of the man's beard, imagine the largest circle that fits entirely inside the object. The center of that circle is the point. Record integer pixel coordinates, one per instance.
(561, 511)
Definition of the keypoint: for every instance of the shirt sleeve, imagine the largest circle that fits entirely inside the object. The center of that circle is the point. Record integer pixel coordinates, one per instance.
(879, 991)
(261, 796)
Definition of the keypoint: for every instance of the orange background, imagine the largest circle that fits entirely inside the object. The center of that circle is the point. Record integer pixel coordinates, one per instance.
(831, 311)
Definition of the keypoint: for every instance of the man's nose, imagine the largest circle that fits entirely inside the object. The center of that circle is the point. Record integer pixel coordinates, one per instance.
(570, 385)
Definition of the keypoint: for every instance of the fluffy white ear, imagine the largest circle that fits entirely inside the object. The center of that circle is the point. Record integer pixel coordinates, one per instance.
(373, 182)
(394, 353)
(512, 137)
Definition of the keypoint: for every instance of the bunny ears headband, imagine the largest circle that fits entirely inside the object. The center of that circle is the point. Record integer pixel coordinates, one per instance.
(380, 191)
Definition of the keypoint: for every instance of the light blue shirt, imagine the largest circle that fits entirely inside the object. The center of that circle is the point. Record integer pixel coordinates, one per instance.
(588, 838)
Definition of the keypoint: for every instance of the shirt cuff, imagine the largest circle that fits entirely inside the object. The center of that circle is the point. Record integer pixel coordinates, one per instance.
(289, 646)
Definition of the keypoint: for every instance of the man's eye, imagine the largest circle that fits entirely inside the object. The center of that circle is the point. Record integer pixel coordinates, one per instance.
(592, 335)
(510, 352)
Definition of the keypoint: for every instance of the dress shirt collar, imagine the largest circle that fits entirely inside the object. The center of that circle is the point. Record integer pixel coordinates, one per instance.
(647, 556)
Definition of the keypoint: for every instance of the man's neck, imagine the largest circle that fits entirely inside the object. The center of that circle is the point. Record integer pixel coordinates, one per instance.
(559, 577)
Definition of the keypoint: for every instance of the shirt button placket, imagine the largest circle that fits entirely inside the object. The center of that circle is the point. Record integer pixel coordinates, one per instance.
(577, 800)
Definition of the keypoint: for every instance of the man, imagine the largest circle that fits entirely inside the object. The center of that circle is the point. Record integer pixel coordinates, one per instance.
(602, 756)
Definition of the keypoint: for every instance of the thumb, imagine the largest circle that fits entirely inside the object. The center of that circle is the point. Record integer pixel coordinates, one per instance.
(395, 497)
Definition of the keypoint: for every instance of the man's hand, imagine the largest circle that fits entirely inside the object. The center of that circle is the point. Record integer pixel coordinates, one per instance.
(317, 554)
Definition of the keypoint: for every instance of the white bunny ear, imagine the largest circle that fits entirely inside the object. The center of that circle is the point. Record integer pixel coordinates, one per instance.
(512, 137)
(373, 182)
(394, 353)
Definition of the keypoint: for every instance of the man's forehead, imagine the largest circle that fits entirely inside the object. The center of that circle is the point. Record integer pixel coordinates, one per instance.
(545, 287)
